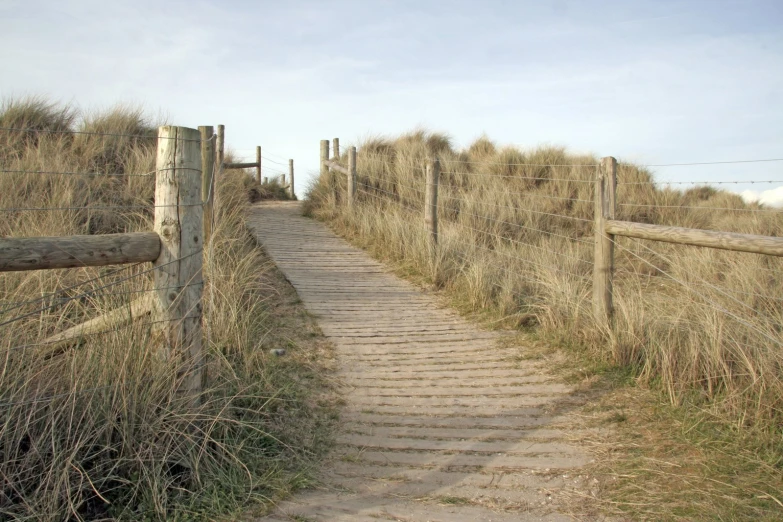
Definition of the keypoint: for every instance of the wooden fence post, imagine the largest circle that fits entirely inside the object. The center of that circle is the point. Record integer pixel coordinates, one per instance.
(324, 157)
(291, 178)
(258, 163)
(221, 142)
(351, 175)
(603, 268)
(218, 175)
(207, 176)
(336, 147)
(431, 200)
(179, 221)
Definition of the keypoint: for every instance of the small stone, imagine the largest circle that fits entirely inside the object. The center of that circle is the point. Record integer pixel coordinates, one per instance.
(277, 351)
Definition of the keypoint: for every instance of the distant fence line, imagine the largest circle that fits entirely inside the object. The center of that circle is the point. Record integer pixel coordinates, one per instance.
(606, 227)
(257, 165)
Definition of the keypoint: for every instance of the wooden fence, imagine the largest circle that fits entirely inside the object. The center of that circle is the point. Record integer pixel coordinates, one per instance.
(184, 196)
(606, 227)
(221, 136)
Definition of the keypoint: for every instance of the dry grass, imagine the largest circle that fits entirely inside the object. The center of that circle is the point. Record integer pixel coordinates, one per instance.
(99, 430)
(516, 244)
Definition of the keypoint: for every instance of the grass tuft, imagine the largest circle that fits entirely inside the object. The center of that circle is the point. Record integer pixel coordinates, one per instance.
(98, 430)
(700, 326)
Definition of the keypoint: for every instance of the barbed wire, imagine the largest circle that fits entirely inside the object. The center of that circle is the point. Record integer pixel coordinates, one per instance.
(731, 162)
(508, 222)
(691, 207)
(91, 174)
(192, 367)
(699, 279)
(706, 299)
(705, 183)
(79, 296)
(72, 287)
(116, 208)
(152, 136)
(444, 196)
(496, 236)
(506, 176)
(126, 326)
(273, 161)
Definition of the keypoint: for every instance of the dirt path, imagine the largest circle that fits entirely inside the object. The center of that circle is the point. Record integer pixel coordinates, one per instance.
(440, 422)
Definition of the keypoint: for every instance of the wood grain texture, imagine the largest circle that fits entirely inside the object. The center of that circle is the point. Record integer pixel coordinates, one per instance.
(207, 177)
(220, 152)
(769, 245)
(41, 253)
(291, 179)
(138, 308)
(431, 200)
(233, 166)
(336, 166)
(258, 164)
(178, 222)
(351, 175)
(603, 267)
(324, 158)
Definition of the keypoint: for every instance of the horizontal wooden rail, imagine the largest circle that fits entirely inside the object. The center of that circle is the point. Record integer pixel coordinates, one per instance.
(239, 165)
(692, 236)
(114, 319)
(336, 166)
(41, 253)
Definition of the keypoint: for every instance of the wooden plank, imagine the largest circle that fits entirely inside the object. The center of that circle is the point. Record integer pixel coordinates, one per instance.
(138, 308)
(336, 166)
(230, 166)
(178, 222)
(42, 253)
(769, 245)
(336, 147)
(603, 267)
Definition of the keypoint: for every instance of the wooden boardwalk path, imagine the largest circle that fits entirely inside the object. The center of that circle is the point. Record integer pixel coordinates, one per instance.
(440, 423)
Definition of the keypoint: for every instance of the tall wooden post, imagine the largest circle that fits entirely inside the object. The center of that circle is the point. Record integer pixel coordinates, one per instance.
(351, 175)
(324, 157)
(431, 200)
(178, 221)
(207, 176)
(221, 142)
(603, 268)
(258, 163)
(336, 147)
(291, 178)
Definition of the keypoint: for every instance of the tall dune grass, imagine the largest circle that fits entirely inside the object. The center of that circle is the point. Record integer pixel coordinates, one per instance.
(98, 430)
(516, 238)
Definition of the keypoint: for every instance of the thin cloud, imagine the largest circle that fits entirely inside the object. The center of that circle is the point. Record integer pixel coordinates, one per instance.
(772, 197)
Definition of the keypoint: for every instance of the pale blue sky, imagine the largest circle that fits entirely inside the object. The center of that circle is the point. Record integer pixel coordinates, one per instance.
(649, 81)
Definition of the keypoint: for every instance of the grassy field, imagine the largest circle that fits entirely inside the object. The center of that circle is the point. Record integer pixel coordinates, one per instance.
(97, 430)
(698, 329)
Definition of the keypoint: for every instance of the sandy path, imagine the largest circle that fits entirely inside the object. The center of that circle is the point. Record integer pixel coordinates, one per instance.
(440, 423)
